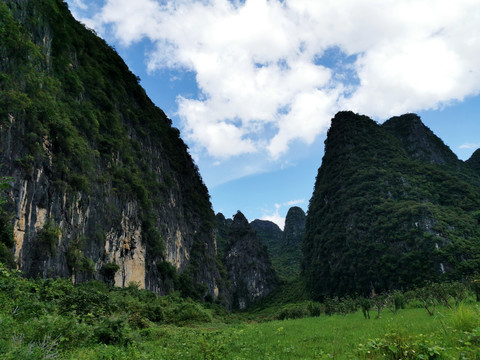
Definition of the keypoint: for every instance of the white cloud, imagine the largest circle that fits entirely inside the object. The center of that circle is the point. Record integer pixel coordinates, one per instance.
(274, 216)
(258, 69)
(471, 146)
(294, 202)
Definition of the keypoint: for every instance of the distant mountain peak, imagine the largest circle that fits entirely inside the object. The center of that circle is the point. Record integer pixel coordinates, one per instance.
(294, 227)
(240, 221)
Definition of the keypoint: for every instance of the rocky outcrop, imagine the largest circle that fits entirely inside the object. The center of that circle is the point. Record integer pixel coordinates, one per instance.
(419, 141)
(248, 266)
(223, 225)
(98, 174)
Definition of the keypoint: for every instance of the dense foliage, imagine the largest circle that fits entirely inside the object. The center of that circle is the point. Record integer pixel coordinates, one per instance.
(82, 115)
(41, 318)
(385, 216)
(474, 161)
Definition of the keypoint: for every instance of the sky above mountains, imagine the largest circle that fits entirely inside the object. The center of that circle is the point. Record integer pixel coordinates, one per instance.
(252, 85)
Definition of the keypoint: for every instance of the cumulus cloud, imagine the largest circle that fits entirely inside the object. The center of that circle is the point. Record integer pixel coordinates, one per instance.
(264, 73)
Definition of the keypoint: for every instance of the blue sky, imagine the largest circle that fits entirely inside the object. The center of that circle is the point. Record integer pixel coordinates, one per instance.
(252, 85)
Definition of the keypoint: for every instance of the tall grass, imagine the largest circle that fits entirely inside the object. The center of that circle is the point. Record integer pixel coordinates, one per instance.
(411, 334)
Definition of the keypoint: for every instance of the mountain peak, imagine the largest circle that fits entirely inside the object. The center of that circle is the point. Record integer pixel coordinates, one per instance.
(474, 161)
(239, 220)
(419, 141)
(294, 226)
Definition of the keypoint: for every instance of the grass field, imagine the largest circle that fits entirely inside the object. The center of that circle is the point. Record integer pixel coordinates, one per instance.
(54, 319)
(411, 334)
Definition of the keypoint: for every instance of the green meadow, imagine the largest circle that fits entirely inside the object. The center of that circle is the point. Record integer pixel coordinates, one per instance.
(411, 334)
(55, 319)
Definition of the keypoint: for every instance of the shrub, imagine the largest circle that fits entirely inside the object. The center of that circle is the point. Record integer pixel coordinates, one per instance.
(187, 312)
(396, 346)
(48, 237)
(296, 312)
(108, 271)
(465, 318)
(86, 300)
(314, 308)
(111, 331)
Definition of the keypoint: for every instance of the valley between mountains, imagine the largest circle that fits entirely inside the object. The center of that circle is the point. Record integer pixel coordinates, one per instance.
(110, 248)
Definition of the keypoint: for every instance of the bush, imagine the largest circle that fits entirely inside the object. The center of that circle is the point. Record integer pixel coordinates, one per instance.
(108, 271)
(187, 312)
(465, 318)
(396, 346)
(314, 308)
(60, 330)
(111, 331)
(86, 300)
(296, 312)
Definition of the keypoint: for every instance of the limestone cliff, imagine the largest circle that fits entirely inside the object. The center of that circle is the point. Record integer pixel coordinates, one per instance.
(248, 266)
(392, 208)
(99, 175)
(294, 227)
(284, 247)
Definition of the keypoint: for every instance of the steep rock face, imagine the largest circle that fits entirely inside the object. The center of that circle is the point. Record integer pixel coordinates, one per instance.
(385, 214)
(99, 175)
(269, 235)
(284, 247)
(419, 141)
(474, 161)
(223, 225)
(249, 269)
(294, 227)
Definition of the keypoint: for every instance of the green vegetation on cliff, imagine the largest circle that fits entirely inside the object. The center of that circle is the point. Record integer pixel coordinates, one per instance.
(72, 111)
(387, 212)
(474, 161)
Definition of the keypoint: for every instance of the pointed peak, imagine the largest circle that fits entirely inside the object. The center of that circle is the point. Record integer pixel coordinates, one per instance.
(239, 219)
(474, 161)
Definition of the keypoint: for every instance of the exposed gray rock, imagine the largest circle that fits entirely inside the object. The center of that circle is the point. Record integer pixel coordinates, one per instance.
(249, 269)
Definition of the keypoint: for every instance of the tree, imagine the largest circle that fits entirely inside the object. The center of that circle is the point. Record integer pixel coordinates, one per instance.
(108, 271)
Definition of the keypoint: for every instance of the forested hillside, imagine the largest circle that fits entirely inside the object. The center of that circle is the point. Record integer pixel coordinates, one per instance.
(101, 185)
(392, 208)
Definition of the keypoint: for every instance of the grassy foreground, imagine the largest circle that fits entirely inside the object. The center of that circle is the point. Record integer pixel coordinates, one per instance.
(411, 334)
(54, 319)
